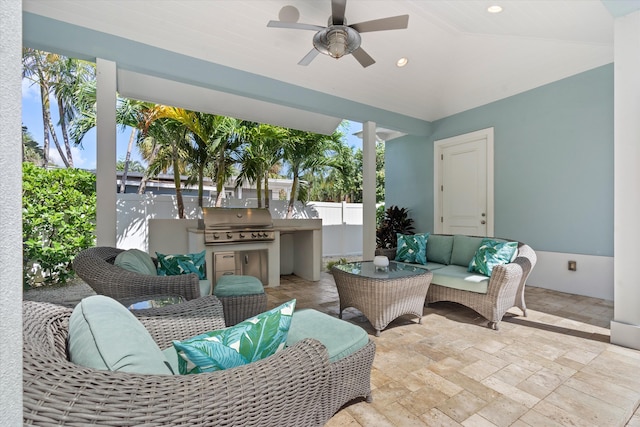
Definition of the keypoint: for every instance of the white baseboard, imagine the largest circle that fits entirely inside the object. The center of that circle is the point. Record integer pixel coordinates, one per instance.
(593, 276)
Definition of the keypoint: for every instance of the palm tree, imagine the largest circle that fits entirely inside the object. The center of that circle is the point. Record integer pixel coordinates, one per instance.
(59, 76)
(306, 152)
(170, 142)
(262, 152)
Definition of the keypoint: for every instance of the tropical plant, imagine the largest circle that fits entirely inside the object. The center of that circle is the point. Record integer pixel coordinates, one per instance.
(306, 152)
(58, 221)
(259, 156)
(59, 76)
(396, 220)
(31, 151)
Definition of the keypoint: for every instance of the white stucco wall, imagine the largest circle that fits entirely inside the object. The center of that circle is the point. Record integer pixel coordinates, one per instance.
(11, 212)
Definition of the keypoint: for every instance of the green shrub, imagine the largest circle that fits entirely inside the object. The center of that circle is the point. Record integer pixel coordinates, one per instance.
(58, 221)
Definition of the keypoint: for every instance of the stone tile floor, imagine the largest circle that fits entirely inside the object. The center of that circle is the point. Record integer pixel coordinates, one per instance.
(552, 368)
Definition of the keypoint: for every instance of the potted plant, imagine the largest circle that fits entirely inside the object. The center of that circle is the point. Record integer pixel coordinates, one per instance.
(396, 220)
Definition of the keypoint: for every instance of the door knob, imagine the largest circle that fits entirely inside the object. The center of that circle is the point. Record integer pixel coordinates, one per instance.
(483, 222)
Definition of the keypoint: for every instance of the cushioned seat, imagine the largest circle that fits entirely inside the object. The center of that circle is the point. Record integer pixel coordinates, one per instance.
(350, 351)
(341, 338)
(241, 296)
(234, 285)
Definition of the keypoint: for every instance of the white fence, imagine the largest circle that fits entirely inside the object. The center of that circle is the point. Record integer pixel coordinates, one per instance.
(341, 222)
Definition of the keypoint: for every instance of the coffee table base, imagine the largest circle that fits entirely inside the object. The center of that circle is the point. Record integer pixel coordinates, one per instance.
(382, 300)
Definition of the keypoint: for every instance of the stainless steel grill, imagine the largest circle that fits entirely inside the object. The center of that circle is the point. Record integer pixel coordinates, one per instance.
(236, 225)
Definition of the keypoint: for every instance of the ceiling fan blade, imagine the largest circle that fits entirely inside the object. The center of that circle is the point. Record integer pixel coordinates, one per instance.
(363, 57)
(308, 57)
(399, 22)
(294, 25)
(337, 11)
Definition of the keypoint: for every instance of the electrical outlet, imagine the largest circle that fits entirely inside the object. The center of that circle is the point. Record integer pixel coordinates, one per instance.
(573, 265)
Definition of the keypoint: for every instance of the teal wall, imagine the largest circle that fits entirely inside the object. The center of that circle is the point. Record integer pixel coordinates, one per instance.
(553, 164)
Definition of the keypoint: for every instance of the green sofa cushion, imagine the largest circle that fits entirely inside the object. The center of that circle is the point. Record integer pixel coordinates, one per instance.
(104, 335)
(439, 249)
(234, 285)
(464, 248)
(137, 261)
(341, 338)
(457, 277)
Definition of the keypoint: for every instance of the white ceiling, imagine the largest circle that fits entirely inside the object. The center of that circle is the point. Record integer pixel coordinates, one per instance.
(460, 56)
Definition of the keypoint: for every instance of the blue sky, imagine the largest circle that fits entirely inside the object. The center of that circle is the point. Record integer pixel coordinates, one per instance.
(85, 157)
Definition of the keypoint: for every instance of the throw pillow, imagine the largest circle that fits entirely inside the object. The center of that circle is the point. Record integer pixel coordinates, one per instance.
(104, 335)
(412, 248)
(491, 253)
(173, 265)
(253, 339)
(137, 261)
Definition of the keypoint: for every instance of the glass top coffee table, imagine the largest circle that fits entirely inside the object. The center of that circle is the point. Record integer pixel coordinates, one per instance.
(382, 295)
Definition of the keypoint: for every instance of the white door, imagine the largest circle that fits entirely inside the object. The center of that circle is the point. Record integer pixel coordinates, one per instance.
(464, 184)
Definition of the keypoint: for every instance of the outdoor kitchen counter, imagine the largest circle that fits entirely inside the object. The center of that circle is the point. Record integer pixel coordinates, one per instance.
(296, 249)
(300, 247)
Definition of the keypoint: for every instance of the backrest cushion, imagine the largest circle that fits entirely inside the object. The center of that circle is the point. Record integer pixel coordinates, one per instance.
(254, 339)
(491, 253)
(172, 265)
(104, 335)
(439, 249)
(412, 248)
(137, 261)
(464, 248)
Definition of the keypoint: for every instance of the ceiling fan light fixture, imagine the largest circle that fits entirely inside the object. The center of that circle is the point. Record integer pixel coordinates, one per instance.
(336, 41)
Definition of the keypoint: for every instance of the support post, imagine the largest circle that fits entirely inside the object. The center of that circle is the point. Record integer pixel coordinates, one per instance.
(368, 190)
(106, 217)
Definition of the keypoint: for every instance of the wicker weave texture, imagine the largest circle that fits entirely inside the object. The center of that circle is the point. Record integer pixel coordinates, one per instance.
(382, 300)
(505, 289)
(95, 267)
(286, 389)
(241, 307)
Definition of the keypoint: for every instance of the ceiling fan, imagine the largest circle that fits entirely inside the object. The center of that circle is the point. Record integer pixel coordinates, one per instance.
(338, 39)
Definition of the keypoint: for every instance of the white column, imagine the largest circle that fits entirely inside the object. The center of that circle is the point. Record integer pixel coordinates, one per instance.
(368, 190)
(106, 152)
(625, 327)
(11, 211)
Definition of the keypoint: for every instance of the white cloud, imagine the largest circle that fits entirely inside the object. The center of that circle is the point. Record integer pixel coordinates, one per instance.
(79, 160)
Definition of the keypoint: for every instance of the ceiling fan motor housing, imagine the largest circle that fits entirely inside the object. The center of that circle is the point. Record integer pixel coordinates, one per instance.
(337, 41)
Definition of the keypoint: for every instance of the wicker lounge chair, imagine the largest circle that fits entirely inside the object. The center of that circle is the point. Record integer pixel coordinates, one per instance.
(286, 389)
(95, 267)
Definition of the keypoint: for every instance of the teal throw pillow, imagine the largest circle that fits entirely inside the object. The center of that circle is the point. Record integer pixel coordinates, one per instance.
(137, 261)
(412, 248)
(439, 249)
(104, 335)
(254, 339)
(491, 253)
(173, 265)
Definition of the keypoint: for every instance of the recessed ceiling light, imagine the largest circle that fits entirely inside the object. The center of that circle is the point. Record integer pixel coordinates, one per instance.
(494, 9)
(402, 62)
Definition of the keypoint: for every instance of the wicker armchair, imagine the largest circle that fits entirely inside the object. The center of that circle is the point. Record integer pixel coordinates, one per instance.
(285, 389)
(95, 267)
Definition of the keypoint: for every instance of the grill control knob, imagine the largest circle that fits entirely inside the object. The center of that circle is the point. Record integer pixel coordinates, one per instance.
(216, 236)
(229, 236)
(253, 235)
(241, 236)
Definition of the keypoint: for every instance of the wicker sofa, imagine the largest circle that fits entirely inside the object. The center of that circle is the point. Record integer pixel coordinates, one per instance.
(290, 388)
(497, 294)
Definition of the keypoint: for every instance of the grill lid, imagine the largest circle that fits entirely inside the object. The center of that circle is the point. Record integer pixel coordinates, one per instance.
(236, 218)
